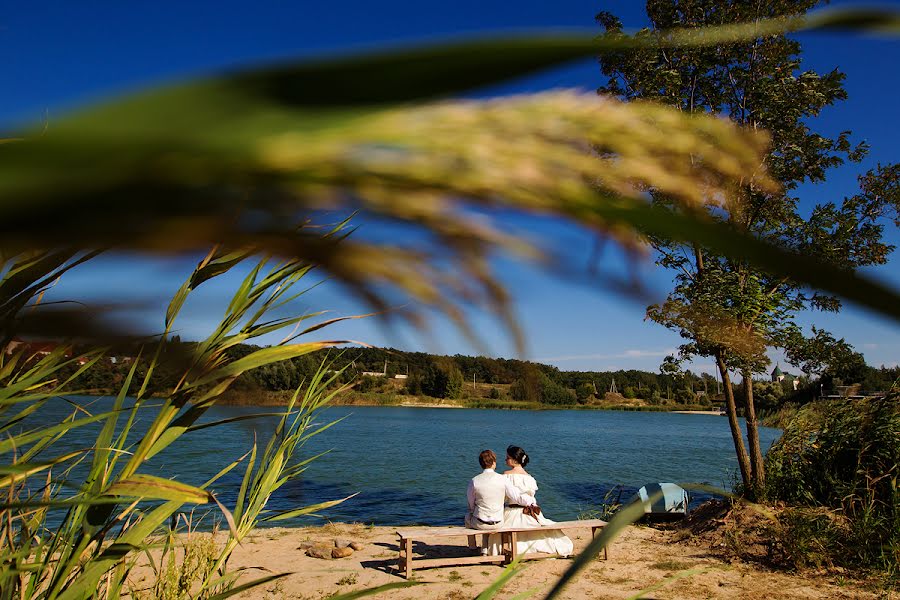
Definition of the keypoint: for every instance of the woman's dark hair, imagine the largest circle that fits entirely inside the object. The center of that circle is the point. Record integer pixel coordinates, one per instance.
(517, 454)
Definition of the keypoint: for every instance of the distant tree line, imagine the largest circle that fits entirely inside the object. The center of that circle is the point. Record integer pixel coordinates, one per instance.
(446, 377)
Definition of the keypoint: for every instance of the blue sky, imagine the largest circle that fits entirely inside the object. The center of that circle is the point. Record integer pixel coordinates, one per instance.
(61, 54)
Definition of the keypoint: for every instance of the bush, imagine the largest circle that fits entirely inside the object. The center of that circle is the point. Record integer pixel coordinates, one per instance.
(554, 393)
(684, 396)
(442, 381)
(584, 392)
(843, 456)
(494, 394)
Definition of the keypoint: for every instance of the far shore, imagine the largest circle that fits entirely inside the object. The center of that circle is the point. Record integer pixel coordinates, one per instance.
(280, 398)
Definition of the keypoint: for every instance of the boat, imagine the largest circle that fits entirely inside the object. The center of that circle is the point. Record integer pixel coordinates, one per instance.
(669, 501)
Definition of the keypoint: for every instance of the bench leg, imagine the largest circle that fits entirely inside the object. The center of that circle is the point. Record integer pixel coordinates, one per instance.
(593, 535)
(408, 550)
(513, 545)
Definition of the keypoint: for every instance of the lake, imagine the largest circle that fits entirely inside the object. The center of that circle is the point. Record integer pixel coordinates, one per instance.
(412, 465)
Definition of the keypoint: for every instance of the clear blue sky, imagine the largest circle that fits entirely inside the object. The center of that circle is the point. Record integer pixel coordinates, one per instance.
(62, 54)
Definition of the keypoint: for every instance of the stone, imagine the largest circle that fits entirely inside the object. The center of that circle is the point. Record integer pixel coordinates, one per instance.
(356, 546)
(342, 543)
(341, 552)
(305, 545)
(320, 551)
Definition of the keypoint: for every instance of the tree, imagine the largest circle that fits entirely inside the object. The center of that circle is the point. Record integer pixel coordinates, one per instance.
(585, 392)
(726, 308)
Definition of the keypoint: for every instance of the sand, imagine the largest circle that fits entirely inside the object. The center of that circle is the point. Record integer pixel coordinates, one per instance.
(640, 558)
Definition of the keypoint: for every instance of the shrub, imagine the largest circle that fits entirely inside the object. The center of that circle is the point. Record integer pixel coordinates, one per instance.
(842, 456)
(584, 392)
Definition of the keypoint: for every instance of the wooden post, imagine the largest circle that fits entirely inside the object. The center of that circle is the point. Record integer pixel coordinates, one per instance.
(408, 549)
(593, 535)
(513, 545)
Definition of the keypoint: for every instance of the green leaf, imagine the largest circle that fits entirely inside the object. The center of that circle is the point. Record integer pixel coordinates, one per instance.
(150, 486)
(306, 510)
(262, 357)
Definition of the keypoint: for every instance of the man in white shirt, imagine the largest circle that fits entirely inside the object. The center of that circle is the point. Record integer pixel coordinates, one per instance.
(487, 493)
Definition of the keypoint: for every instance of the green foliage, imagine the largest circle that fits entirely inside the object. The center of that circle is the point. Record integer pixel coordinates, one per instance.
(584, 392)
(181, 572)
(494, 394)
(554, 393)
(442, 380)
(768, 394)
(843, 456)
(684, 396)
(112, 515)
(733, 309)
(367, 383)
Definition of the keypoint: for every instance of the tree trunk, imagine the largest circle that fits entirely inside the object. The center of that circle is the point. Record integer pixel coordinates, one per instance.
(757, 466)
(736, 436)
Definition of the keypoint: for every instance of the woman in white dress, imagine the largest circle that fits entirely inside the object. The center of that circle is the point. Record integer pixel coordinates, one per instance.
(550, 542)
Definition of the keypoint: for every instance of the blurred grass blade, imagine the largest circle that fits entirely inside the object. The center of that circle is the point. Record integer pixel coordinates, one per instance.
(625, 517)
(397, 585)
(510, 571)
(738, 245)
(667, 581)
(248, 586)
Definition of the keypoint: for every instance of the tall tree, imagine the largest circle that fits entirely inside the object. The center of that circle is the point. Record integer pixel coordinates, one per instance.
(728, 309)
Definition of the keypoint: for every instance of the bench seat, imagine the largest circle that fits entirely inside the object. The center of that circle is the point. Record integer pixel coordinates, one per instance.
(508, 536)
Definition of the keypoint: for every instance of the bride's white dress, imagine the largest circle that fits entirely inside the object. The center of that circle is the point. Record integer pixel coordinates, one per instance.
(551, 542)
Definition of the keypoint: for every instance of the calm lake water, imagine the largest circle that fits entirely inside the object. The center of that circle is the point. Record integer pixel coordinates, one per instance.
(412, 465)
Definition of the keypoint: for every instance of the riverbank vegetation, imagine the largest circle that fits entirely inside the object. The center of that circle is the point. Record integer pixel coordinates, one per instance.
(371, 376)
(838, 465)
(832, 498)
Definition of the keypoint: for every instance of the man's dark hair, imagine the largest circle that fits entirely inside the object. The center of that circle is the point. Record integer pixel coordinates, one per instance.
(487, 458)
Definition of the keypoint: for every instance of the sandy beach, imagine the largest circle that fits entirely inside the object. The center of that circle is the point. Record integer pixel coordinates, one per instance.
(640, 558)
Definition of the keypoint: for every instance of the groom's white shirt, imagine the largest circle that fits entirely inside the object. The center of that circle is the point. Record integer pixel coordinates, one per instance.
(487, 493)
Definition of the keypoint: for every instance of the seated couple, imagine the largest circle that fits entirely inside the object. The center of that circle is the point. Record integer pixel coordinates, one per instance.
(489, 491)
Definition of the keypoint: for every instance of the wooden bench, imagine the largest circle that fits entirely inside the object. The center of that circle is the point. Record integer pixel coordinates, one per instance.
(508, 537)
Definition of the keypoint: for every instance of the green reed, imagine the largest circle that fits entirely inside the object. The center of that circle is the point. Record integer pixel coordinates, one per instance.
(111, 517)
